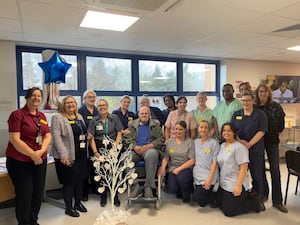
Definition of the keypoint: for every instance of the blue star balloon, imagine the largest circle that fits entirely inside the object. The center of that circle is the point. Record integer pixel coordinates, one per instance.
(55, 69)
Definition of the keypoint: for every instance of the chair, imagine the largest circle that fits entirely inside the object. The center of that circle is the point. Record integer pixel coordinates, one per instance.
(293, 165)
(140, 169)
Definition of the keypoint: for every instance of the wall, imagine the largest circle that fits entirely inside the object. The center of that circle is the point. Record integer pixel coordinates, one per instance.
(8, 88)
(255, 72)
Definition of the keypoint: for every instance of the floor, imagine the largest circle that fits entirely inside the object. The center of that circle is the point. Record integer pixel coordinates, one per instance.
(173, 212)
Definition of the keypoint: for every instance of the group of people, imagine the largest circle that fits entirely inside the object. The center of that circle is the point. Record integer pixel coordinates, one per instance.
(207, 155)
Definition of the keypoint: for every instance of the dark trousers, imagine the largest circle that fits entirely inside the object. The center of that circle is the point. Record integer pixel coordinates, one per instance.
(257, 171)
(181, 183)
(204, 197)
(234, 205)
(71, 191)
(29, 182)
(273, 157)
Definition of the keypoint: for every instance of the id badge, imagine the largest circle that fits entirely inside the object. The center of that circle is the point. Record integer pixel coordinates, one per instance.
(38, 140)
(82, 137)
(82, 144)
(99, 127)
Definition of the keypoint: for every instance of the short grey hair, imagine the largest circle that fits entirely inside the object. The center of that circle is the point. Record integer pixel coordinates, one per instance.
(86, 93)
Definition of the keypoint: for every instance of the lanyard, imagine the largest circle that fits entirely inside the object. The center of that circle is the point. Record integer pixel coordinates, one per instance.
(178, 116)
(36, 121)
(106, 127)
(79, 124)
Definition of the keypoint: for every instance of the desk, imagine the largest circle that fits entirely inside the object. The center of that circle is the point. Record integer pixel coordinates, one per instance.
(7, 190)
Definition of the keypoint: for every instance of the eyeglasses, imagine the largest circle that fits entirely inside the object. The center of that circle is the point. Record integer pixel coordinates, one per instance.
(69, 103)
(247, 100)
(102, 105)
(91, 97)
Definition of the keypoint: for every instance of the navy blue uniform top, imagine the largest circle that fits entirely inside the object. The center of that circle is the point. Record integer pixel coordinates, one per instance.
(124, 118)
(248, 126)
(86, 115)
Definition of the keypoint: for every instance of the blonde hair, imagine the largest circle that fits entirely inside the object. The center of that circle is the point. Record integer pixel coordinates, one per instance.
(61, 109)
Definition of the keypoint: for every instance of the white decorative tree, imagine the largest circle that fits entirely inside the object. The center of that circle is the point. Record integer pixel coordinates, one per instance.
(115, 170)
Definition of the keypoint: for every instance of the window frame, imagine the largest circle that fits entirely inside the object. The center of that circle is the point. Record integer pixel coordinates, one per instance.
(81, 67)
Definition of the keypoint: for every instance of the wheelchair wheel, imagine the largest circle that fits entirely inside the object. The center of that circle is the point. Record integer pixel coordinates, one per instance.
(127, 204)
(158, 204)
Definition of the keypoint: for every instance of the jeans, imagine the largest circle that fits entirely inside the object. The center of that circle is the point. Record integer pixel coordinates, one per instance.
(273, 157)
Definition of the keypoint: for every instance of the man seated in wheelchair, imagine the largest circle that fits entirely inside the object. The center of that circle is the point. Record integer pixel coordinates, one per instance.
(146, 139)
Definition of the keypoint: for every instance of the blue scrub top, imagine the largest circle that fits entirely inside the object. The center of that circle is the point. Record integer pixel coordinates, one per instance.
(248, 126)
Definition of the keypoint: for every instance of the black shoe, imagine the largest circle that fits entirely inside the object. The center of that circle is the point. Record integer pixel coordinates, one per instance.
(80, 208)
(257, 204)
(178, 195)
(103, 200)
(186, 198)
(117, 201)
(72, 213)
(85, 198)
(265, 198)
(281, 208)
(213, 204)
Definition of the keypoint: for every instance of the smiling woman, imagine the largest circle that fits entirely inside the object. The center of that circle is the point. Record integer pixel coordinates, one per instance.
(29, 138)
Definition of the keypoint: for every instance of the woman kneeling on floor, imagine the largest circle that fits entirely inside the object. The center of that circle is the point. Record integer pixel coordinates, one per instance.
(180, 158)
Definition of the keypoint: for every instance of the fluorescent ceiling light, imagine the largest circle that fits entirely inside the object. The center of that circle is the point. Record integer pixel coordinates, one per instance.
(107, 21)
(295, 48)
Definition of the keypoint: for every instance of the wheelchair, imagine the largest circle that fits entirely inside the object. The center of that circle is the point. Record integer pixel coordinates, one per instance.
(140, 169)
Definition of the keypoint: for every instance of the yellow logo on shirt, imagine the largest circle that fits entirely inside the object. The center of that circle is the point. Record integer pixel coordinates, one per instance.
(89, 117)
(229, 150)
(207, 151)
(172, 151)
(71, 121)
(238, 117)
(44, 122)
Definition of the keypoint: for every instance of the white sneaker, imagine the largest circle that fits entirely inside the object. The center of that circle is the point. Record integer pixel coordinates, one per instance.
(136, 192)
(148, 193)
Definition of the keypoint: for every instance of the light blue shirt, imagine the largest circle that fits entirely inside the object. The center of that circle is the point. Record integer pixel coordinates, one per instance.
(229, 159)
(206, 154)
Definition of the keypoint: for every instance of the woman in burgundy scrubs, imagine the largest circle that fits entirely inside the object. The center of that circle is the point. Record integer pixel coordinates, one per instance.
(29, 138)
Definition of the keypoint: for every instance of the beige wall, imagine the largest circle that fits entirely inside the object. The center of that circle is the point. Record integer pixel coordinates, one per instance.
(8, 88)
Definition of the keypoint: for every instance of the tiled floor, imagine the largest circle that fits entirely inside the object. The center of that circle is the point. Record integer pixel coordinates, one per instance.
(173, 212)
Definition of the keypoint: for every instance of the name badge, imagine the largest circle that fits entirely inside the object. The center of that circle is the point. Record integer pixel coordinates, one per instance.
(43, 122)
(82, 144)
(82, 137)
(238, 117)
(130, 118)
(71, 121)
(99, 127)
(89, 117)
(39, 140)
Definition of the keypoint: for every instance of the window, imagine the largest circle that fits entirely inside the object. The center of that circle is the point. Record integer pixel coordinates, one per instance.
(157, 76)
(108, 74)
(199, 77)
(112, 75)
(32, 73)
(71, 75)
